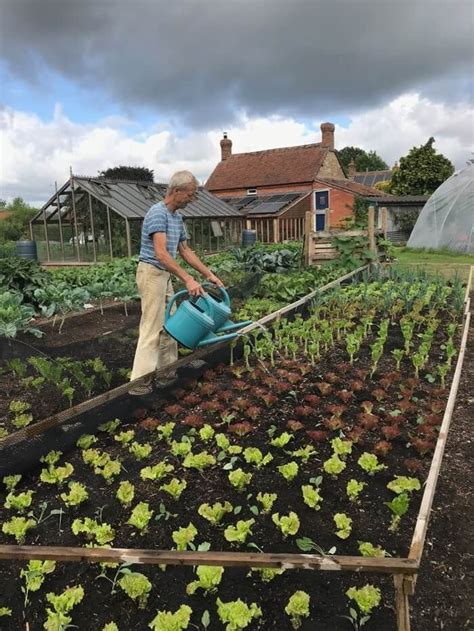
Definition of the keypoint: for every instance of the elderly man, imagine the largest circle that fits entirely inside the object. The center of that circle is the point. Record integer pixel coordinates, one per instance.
(163, 235)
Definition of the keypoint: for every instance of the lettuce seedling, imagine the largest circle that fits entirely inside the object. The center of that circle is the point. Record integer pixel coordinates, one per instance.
(236, 614)
(399, 506)
(51, 457)
(304, 453)
(209, 579)
(334, 465)
(125, 493)
(289, 471)
(367, 599)
(239, 479)
(124, 438)
(341, 448)
(5, 611)
(222, 441)
(110, 626)
(344, 525)
(62, 605)
(167, 621)
(165, 431)
(10, 481)
(288, 524)
(298, 608)
(102, 533)
(137, 587)
(282, 440)
(404, 484)
(109, 470)
(267, 574)
(174, 488)
(206, 433)
(370, 463)
(253, 455)
(199, 461)
(19, 502)
(140, 450)
(216, 512)
(110, 426)
(157, 471)
(368, 550)
(56, 475)
(353, 489)
(34, 576)
(184, 536)
(180, 449)
(141, 516)
(77, 494)
(239, 532)
(85, 441)
(311, 496)
(18, 527)
(266, 500)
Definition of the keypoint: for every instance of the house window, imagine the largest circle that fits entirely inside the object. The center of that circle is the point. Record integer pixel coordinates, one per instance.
(251, 191)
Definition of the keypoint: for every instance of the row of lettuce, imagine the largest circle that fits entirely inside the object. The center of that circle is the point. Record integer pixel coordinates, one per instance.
(264, 278)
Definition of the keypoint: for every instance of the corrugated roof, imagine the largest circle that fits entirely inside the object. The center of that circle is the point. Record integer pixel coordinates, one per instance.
(400, 199)
(351, 187)
(286, 165)
(370, 178)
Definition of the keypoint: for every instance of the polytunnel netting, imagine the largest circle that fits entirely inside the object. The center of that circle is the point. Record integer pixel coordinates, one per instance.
(447, 218)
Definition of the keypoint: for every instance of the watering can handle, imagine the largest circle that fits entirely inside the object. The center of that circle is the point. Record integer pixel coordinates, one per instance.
(172, 301)
(224, 293)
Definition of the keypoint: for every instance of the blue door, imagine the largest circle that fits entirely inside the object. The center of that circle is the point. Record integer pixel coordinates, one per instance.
(321, 204)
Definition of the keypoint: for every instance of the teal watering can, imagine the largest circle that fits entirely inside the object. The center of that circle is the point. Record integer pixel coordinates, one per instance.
(197, 323)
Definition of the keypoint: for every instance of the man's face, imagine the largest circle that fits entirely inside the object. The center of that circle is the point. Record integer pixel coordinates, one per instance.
(185, 196)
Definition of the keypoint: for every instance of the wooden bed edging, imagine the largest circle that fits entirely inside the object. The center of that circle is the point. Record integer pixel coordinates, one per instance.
(67, 415)
(225, 559)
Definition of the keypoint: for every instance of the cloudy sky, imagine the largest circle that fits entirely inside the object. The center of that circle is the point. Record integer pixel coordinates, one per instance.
(94, 84)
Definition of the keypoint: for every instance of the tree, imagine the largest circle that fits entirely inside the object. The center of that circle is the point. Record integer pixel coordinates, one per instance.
(364, 161)
(137, 174)
(17, 225)
(421, 171)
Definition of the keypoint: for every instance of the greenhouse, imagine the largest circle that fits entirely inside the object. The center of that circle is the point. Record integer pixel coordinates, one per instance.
(91, 219)
(447, 219)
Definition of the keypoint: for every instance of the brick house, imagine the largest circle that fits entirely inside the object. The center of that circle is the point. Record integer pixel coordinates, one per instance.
(274, 188)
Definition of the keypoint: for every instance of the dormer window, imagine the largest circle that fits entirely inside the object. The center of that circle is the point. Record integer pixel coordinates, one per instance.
(251, 191)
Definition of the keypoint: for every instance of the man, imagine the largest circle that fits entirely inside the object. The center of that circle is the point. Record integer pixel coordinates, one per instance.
(163, 235)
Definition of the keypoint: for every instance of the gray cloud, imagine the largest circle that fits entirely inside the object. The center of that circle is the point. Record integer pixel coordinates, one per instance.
(203, 62)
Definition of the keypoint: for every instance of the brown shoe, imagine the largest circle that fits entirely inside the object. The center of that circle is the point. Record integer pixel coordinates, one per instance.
(141, 389)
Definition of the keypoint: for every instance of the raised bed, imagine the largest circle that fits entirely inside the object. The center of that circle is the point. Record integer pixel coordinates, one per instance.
(370, 517)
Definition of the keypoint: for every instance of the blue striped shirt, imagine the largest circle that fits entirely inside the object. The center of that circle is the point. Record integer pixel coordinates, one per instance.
(160, 219)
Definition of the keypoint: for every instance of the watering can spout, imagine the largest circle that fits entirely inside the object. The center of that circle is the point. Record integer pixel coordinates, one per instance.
(233, 326)
(212, 339)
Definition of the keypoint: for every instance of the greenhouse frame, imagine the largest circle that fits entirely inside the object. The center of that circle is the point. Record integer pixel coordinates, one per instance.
(92, 219)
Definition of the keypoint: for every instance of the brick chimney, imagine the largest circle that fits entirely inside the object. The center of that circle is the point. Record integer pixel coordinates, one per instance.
(352, 168)
(226, 147)
(327, 135)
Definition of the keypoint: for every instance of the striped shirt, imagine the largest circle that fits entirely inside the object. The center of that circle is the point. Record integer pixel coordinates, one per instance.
(160, 219)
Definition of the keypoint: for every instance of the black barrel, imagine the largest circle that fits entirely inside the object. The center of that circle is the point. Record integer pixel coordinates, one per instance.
(249, 237)
(26, 250)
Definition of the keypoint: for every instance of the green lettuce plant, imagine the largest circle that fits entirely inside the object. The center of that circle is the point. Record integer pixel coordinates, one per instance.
(140, 517)
(56, 475)
(86, 440)
(239, 532)
(34, 576)
(57, 617)
(5, 611)
(239, 479)
(334, 465)
(77, 494)
(267, 574)
(304, 453)
(369, 550)
(206, 433)
(236, 614)
(157, 471)
(137, 587)
(140, 451)
(184, 536)
(404, 484)
(344, 525)
(174, 488)
(215, 513)
(168, 621)
(222, 441)
(209, 578)
(370, 463)
(165, 431)
(341, 448)
(22, 415)
(10, 481)
(125, 437)
(289, 471)
(180, 449)
(110, 426)
(288, 524)
(311, 496)
(125, 493)
(103, 533)
(253, 455)
(18, 527)
(353, 489)
(282, 440)
(199, 461)
(19, 502)
(367, 598)
(297, 608)
(266, 500)
(399, 507)
(110, 626)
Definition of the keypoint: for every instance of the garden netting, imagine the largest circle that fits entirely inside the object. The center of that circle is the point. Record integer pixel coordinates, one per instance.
(447, 218)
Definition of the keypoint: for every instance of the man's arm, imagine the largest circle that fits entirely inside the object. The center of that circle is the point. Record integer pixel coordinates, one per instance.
(192, 259)
(169, 263)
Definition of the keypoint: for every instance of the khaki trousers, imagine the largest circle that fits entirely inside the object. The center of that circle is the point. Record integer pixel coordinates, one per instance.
(155, 348)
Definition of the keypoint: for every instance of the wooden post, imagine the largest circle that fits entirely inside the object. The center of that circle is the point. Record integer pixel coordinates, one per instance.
(328, 219)
(248, 225)
(94, 250)
(73, 196)
(129, 238)
(45, 223)
(61, 237)
(404, 587)
(308, 237)
(371, 229)
(384, 218)
(110, 233)
(276, 230)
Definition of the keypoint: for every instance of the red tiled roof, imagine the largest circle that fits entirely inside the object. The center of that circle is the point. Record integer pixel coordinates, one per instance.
(272, 167)
(352, 187)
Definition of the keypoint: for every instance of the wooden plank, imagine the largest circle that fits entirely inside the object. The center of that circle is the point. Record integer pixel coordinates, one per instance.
(402, 603)
(227, 559)
(419, 536)
(371, 228)
(324, 256)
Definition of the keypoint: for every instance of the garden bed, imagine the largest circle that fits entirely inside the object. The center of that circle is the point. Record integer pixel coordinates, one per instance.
(298, 413)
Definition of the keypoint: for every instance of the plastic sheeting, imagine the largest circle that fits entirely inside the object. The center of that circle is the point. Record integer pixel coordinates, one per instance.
(447, 218)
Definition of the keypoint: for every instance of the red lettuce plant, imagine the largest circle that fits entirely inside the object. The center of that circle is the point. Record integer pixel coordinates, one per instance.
(312, 399)
(356, 385)
(317, 435)
(174, 410)
(334, 409)
(379, 394)
(422, 446)
(331, 377)
(191, 399)
(304, 411)
(208, 388)
(333, 423)
(382, 448)
(212, 406)
(268, 398)
(294, 425)
(241, 429)
(324, 388)
(344, 395)
(193, 420)
(253, 412)
(413, 465)
(391, 432)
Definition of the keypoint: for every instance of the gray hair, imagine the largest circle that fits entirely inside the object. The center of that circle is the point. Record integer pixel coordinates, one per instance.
(180, 180)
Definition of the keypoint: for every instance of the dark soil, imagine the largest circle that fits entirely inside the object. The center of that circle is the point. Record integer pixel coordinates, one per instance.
(371, 517)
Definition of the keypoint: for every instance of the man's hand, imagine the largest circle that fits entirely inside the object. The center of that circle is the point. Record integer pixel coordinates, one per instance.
(194, 288)
(212, 278)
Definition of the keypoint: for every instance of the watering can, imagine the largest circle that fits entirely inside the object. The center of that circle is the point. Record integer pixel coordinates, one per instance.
(197, 323)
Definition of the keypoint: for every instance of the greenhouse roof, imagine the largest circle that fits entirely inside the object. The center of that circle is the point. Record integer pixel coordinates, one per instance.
(132, 199)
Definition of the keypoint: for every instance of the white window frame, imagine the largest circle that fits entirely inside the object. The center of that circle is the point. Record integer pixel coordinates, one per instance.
(251, 191)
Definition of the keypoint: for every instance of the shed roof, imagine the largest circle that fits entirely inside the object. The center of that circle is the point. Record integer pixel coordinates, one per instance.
(400, 199)
(284, 165)
(370, 178)
(351, 187)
